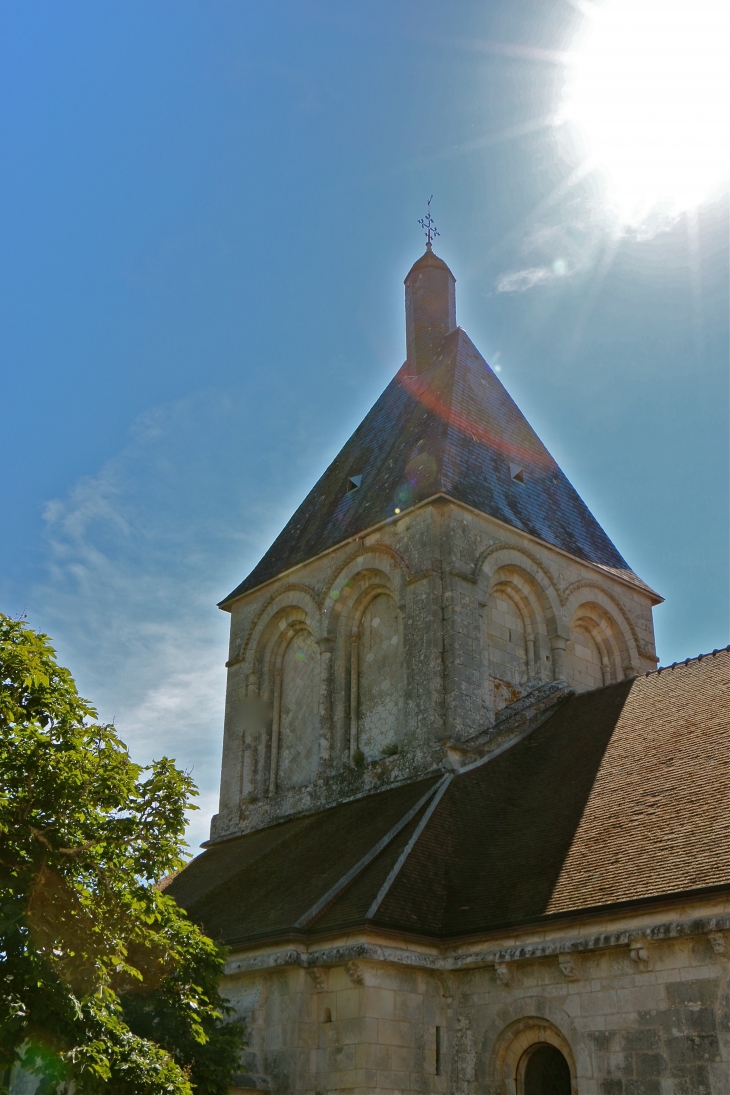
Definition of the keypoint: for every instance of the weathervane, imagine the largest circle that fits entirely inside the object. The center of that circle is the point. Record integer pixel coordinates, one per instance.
(428, 226)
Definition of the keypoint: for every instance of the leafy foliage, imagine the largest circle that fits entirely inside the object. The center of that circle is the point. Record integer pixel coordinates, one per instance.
(104, 982)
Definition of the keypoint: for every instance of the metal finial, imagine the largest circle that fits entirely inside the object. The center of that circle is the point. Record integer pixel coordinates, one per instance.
(428, 226)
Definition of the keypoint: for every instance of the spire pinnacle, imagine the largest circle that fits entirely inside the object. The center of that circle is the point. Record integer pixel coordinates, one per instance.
(428, 226)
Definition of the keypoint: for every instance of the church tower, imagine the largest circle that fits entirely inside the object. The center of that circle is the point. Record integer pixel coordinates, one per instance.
(442, 570)
(470, 840)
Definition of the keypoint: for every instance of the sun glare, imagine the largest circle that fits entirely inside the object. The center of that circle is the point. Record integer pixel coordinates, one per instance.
(648, 89)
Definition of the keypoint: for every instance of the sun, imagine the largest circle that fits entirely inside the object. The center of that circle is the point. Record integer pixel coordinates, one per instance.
(648, 89)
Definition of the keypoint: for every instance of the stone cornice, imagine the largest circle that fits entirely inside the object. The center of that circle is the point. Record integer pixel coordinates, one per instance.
(478, 958)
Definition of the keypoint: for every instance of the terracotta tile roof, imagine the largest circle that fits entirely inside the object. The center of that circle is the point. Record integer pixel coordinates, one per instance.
(622, 795)
(452, 430)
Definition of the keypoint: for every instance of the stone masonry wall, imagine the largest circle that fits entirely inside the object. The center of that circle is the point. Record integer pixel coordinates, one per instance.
(480, 614)
(648, 1018)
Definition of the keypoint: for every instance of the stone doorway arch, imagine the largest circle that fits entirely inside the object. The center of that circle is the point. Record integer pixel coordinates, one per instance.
(517, 1046)
(543, 1070)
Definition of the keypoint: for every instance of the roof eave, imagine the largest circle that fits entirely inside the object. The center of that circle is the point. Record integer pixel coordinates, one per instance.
(656, 902)
(227, 603)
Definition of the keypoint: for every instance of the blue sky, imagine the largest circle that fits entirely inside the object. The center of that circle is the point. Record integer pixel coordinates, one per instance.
(207, 211)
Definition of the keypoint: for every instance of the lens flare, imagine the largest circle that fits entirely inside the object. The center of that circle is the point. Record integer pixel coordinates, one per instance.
(648, 88)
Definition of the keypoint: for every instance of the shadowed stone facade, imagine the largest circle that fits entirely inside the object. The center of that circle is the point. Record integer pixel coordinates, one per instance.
(470, 841)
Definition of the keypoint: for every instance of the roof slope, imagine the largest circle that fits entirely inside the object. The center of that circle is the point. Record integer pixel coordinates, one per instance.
(621, 795)
(454, 430)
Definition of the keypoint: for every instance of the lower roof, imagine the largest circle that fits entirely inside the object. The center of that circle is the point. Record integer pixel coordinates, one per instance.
(622, 795)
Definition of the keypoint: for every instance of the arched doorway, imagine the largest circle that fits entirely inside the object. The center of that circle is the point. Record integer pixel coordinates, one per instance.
(543, 1070)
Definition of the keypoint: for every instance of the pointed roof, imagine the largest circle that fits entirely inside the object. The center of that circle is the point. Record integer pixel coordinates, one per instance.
(428, 258)
(451, 429)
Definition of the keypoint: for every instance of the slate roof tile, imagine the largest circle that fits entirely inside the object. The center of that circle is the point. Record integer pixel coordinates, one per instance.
(452, 430)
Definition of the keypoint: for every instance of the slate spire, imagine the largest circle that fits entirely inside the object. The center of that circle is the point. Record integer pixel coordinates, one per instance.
(445, 426)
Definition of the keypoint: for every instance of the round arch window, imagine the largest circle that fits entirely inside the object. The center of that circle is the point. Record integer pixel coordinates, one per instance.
(544, 1071)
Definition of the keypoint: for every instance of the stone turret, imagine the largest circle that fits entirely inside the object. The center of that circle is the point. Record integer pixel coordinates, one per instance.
(430, 308)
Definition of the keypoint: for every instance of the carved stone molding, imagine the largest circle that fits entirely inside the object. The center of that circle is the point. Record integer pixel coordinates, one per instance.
(640, 953)
(719, 942)
(503, 972)
(569, 967)
(355, 973)
(318, 979)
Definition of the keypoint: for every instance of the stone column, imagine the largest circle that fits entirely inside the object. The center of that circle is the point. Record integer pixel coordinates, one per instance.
(326, 647)
(354, 692)
(530, 645)
(274, 752)
(233, 755)
(557, 647)
(248, 775)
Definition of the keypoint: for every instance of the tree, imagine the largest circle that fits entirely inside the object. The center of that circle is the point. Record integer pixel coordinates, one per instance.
(104, 982)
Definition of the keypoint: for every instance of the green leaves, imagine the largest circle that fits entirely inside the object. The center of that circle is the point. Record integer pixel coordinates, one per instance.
(103, 980)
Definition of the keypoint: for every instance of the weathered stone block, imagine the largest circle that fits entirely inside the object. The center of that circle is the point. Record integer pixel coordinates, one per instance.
(690, 1049)
(379, 1003)
(393, 1033)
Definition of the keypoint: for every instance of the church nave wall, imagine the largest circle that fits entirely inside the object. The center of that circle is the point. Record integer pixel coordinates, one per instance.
(640, 1017)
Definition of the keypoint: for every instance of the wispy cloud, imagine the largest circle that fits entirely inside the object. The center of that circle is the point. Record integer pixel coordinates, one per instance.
(130, 597)
(519, 281)
(139, 554)
(556, 250)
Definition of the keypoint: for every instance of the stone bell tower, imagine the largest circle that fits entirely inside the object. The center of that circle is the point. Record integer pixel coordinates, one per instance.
(441, 571)
(468, 842)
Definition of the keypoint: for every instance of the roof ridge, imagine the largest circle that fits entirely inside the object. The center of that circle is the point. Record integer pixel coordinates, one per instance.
(344, 881)
(441, 788)
(697, 658)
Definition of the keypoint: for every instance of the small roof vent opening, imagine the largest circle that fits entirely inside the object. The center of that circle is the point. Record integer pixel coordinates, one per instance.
(353, 482)
(517, 473)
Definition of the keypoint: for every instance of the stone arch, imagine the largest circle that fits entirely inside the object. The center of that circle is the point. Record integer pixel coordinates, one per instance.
(292, 603)
(543, 583)
(377, 674)
(290, 616)
(520, 623)
(602, 646)
(369, 657)
(342, 590)
(295, 732)
(524, 1024)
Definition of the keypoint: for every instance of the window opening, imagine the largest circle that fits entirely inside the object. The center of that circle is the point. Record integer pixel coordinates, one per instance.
(353, 482)
(327, 1015)
(546, 1071)
(517, 472)
(438, 1051)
